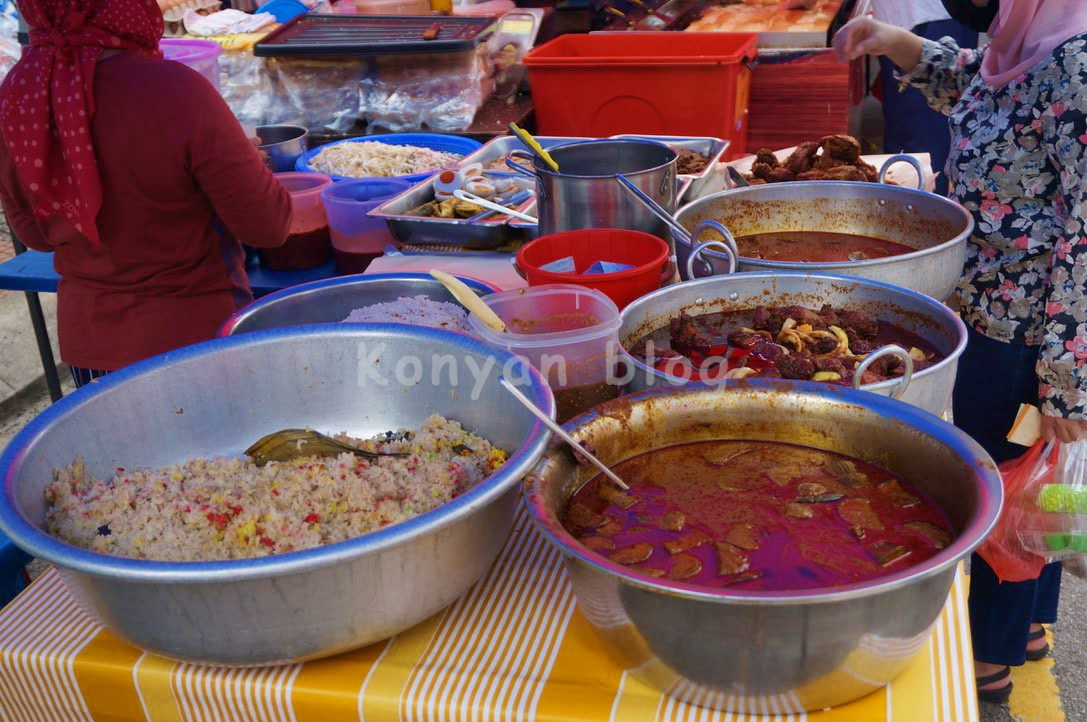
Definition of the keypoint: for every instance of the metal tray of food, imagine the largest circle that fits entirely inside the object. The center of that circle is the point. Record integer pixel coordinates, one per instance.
(771, 24)
(485, 235)
(712, 148)
(494, 151)
(532, 230)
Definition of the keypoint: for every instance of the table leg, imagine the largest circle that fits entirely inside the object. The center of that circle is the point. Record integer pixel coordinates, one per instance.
(45, 348)
(41, 334)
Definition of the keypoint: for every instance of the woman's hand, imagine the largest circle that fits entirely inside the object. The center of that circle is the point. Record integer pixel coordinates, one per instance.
(256, 144)
(865, 36)
(1065, 431)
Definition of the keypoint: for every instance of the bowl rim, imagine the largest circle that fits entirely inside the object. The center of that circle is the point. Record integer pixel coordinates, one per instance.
(833, 266)
(238, 317)
(936, 309)
(39, 543)
(991, 495)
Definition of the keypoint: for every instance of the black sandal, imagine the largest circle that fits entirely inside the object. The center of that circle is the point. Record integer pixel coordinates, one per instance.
(994, 696)
(1037, 655)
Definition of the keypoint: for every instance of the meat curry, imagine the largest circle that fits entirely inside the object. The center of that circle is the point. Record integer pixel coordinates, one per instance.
(791, 342)
(757, 516)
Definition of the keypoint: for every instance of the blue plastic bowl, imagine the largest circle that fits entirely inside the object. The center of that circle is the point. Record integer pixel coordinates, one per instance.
(283, 10)
(434, 141)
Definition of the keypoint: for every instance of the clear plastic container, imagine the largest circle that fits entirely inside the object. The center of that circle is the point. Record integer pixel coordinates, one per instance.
(569, 333)
(358, 239)
(308, 245)
(200, 55)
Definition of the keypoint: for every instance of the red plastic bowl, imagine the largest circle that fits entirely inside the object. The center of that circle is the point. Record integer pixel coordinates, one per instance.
(647, 253)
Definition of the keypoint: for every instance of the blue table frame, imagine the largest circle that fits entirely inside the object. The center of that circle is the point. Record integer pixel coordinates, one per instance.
(33, 273)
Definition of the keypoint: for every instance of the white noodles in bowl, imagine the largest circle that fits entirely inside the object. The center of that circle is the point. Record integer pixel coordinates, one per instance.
(374, 159)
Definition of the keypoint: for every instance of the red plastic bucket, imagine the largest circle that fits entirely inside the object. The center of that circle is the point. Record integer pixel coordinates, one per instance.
(647, 253)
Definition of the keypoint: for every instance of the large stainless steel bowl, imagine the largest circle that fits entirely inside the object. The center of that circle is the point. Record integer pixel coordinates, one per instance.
(938, 228)
(219, 397)
(332, 300)
(940, 326)
(751, 650)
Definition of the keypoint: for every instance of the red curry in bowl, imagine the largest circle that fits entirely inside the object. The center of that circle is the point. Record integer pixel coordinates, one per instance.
(817, 247)
(755, 515)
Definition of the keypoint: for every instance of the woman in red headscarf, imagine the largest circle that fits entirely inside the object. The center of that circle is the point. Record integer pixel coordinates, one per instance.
(133, 170)
(1018, 163)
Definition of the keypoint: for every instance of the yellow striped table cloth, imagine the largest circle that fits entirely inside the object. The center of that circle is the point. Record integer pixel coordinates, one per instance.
(514, 648)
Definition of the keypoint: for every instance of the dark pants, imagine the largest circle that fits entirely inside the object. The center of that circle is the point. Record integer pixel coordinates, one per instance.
(993, 379)
(910, 125)
(82, 377)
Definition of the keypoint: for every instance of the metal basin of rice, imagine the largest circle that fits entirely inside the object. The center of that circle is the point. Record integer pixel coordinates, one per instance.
(786, 651)
(333, 299)
(217, 398)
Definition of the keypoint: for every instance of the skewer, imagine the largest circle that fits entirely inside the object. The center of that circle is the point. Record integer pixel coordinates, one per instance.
(557, 430)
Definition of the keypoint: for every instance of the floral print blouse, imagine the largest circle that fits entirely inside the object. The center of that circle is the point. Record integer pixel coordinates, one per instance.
(1018, 163)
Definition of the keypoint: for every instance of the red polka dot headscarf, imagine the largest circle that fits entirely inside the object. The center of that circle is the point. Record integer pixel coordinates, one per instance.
(47, 100)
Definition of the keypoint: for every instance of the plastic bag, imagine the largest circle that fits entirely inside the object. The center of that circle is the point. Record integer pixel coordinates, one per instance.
(440, 92)
(1003, 550)
(1054, 507)
(321, 95)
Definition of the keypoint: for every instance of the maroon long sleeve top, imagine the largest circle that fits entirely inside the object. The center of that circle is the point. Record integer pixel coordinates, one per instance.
(183, 188)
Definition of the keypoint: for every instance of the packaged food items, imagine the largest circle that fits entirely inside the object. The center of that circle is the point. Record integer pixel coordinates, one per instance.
(173, 12)
(435, 91)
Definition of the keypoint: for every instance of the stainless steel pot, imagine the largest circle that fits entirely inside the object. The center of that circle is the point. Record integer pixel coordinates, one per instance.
(929, 389)
(332, 300)
(584, 194)
(784, 651)
(938, 228)
(284, 144)
(220, 396)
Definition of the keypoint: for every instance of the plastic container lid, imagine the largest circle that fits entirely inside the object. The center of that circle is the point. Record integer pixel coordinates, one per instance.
(189, 51)
(579, 332)
(540, 305)
(284, 10)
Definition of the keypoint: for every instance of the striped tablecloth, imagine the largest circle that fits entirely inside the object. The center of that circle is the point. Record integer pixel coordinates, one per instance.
(514, 648)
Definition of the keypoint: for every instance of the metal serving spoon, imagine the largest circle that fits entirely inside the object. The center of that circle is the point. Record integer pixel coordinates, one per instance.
(557, 430)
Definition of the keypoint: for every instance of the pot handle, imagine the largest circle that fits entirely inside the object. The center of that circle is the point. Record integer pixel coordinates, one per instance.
(871, 358)
(727, 246)
(511, 160)
(903, 158)
(669, 270)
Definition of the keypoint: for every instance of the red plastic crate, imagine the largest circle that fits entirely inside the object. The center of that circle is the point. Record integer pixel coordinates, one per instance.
(605, 84)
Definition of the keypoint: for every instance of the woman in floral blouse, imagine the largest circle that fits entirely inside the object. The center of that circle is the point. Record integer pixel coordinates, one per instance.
(1018, 111)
